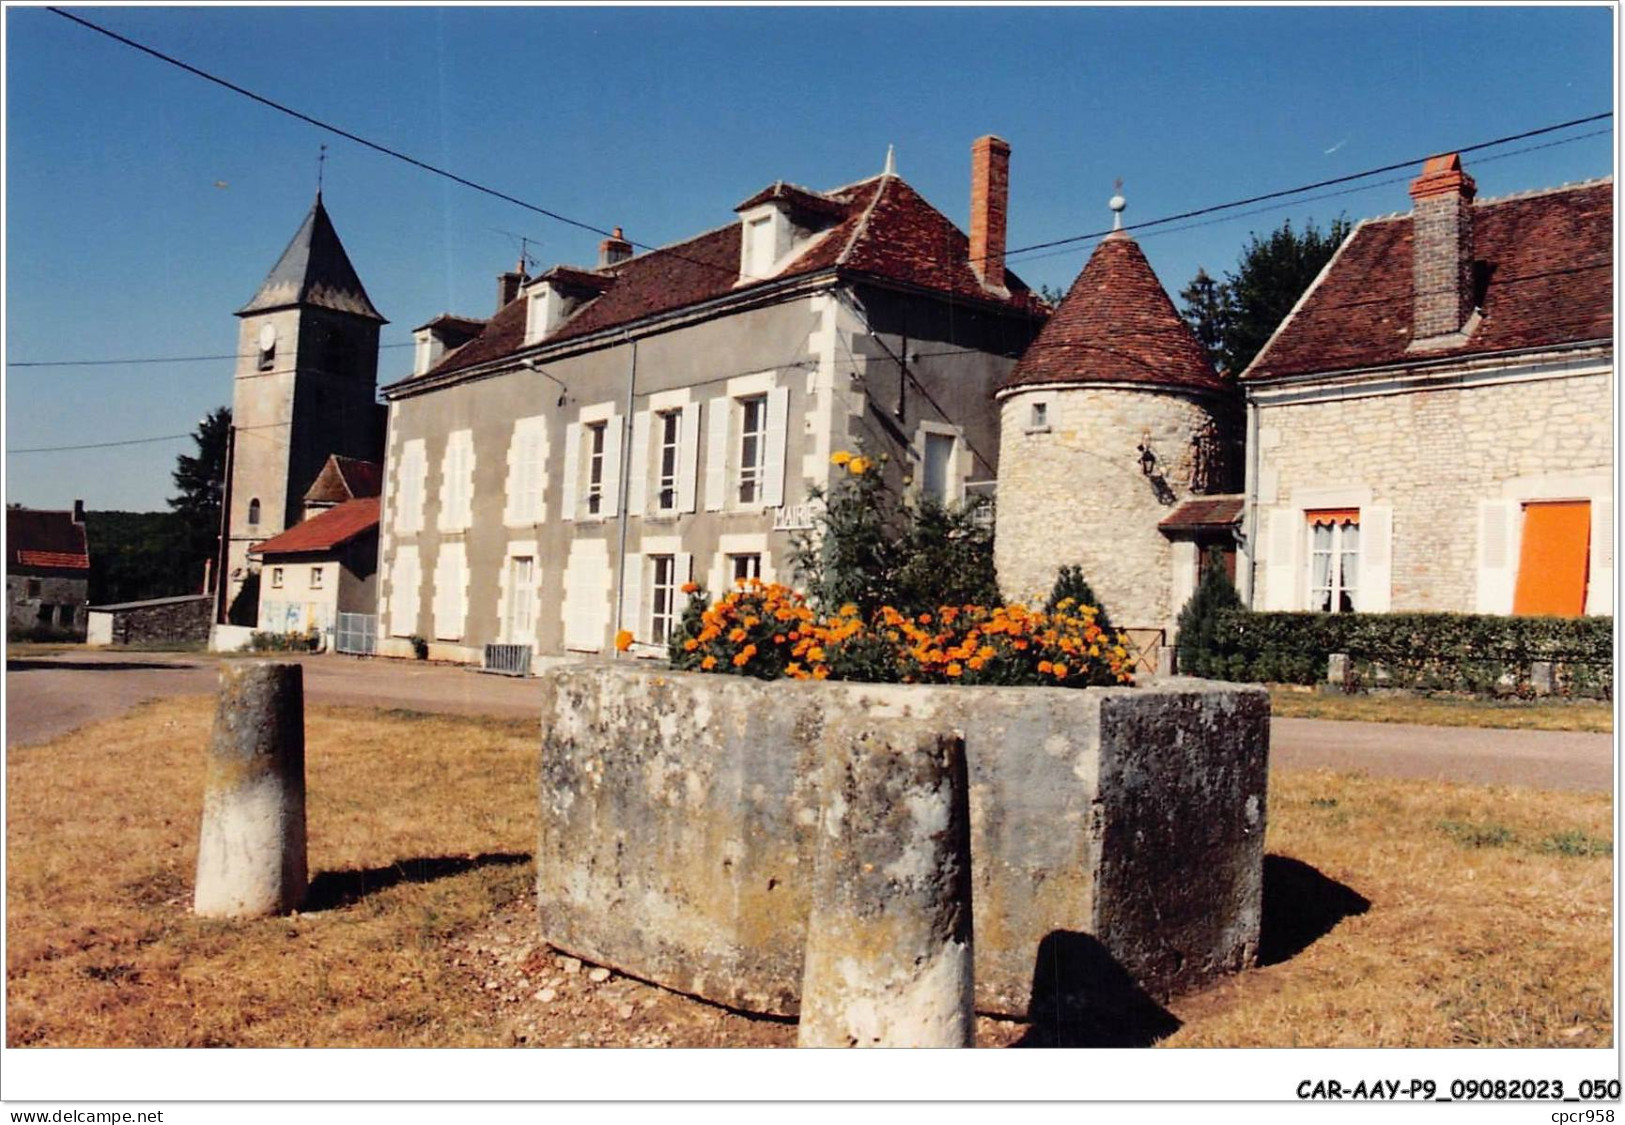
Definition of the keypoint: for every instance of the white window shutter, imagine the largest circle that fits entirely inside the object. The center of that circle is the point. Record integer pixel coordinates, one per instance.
(716, 455)
(405, 578)
(1374, 583)
(683, 565)
(1600, 587)
(572, 458)
(1280, 566)
(448, 592)
(513, 503)
(632, 616)
(637, 489)
(688, 457)
(1497, 561)
(612, 466)
(778, 425)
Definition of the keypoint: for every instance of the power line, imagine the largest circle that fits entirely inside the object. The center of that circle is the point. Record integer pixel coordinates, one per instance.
(387, 151)
(147, 359)
(135, 441)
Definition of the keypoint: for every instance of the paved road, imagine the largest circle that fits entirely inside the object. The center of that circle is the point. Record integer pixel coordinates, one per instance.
(47, 696)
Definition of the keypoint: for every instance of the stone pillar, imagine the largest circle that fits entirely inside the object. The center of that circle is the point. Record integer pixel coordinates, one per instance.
(251, 853)
(888, 955)
(1339, 672)
(1540, 677)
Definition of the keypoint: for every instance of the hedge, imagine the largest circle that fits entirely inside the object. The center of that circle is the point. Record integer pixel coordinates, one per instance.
(1479, 653)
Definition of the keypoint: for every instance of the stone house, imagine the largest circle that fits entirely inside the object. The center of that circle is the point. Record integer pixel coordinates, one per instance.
(47, 572)
(1431, 428)
(320, 568)
(557, 473)
(1112, 421)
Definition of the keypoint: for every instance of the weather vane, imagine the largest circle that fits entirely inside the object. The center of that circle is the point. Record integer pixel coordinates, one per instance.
(1117, 203)
(321, 159)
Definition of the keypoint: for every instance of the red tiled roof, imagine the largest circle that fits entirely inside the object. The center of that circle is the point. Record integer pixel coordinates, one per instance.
(345, 478)
(46, 540)
(332, 528)
(1117, 325)
(797, 197)
(1204, 512)
(883, 229)
(1547, 264)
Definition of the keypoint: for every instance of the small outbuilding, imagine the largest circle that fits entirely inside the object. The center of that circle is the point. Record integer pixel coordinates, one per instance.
(47, 573)
(179, 620)
(319, 569)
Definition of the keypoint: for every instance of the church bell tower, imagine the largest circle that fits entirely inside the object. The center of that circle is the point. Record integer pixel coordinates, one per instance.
(306, 387)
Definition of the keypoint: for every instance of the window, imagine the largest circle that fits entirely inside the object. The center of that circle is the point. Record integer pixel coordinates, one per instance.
(761, 247)
(939, 459)
(44, 613)
(457, 482)
(595, 467)
(663, 597)
(315, 578)
(742, 568)
(527, 468)
(1334, 559)
(64, 615)
(521, 599)
(253, 512)
(276, 578)
(1039, 418)
(31, 588)
(666, 487)
(1553, 559)
(752, 448)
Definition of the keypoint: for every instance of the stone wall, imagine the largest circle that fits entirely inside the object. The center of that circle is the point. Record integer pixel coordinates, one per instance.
(168, 621)
(678, 812)
(1074, 493)
(1431, 456)
(62, 599)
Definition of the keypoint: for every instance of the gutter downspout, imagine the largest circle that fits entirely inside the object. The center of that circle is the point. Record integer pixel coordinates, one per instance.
(223, 544)
(1251, 501)
(623, 489)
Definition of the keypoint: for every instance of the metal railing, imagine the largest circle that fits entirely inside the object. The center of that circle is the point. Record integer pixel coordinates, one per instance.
(356, 634)
(507, 660)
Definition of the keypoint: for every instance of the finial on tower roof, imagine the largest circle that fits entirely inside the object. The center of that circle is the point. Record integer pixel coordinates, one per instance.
(891, 162)
(321, 163)
(1117, 203)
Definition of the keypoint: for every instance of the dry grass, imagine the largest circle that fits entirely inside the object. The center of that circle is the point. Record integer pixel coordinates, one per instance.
(1489, 921)
(1441, 711)
(1489, 917)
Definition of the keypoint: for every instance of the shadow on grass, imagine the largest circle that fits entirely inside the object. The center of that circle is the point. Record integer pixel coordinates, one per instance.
(24, 664)
(1301, 906)
(331, 890)
(1083, 998)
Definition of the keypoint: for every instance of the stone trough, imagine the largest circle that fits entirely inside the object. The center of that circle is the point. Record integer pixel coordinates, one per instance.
(678, 817)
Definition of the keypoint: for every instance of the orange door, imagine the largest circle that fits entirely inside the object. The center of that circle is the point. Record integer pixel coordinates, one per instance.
(1553, 560)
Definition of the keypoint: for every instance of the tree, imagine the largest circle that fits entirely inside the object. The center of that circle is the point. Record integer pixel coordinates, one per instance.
(202, 481)
(1199, 621)
(1235, 319)
(1070, 583)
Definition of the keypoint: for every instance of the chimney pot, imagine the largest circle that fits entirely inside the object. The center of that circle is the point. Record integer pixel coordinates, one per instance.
(508, 284)
(78, 511)
(989, 201)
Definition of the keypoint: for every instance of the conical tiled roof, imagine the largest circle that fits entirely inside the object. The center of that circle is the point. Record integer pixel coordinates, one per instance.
(314, 271)
(1117, 325)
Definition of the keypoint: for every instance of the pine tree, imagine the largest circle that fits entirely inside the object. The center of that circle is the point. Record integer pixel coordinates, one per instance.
(202, 481)
(1070, 583)
(1198, 621)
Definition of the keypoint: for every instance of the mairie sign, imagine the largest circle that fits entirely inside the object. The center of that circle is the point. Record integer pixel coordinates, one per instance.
(794, 517)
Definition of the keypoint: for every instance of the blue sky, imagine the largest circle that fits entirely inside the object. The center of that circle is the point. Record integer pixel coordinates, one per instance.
(144, 205)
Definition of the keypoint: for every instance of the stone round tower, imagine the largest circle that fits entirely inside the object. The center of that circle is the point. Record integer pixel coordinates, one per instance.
(1112, 418)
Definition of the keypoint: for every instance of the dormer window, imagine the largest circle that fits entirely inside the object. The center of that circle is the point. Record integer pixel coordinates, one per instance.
(778, 222)
(555, 296)
(544, 311)
(421, 355)
(766, 237)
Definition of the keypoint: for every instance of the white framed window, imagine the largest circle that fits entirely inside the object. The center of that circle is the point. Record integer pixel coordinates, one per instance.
(405, 578)
(662, 597)
(527, 473)
(450, 592)
(1038, 418)
(752, 447)
(743, 567)
(1334, 559)
(276, 578)
(457, 482)
(315, 578)
(668, 435)
(521, 623)
(410, 470)
(597, 433)
(937, 471)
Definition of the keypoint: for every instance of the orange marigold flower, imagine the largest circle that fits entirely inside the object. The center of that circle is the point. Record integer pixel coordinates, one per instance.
(975, 663)
(840, 457)
(815, 654)
(954, 669)
(690, 645)
(858, 466)
(736, 634)
(708, 663)
(741, 660)
(1045, 666)
(623, 640)
(821, 672)
(1060, 671)
(691, 587)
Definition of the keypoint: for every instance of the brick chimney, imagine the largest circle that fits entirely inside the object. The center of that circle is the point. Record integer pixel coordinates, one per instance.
(78, 511)
(1441, 249)
(508, 286)
(989, 200)
(613, 250)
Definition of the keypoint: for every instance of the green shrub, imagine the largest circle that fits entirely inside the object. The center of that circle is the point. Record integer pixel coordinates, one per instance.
(1199, 623)
(1070, 583)
(285, 642)
(1479, 653)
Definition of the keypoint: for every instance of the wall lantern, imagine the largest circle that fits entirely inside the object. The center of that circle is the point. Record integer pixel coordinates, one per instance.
(1148, 459)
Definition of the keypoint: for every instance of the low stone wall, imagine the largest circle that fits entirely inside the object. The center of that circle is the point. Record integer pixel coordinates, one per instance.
(678, 813)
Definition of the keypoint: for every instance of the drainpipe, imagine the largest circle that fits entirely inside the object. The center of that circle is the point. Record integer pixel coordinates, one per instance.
(623, 489)
(222, 576)
(1251, 502)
